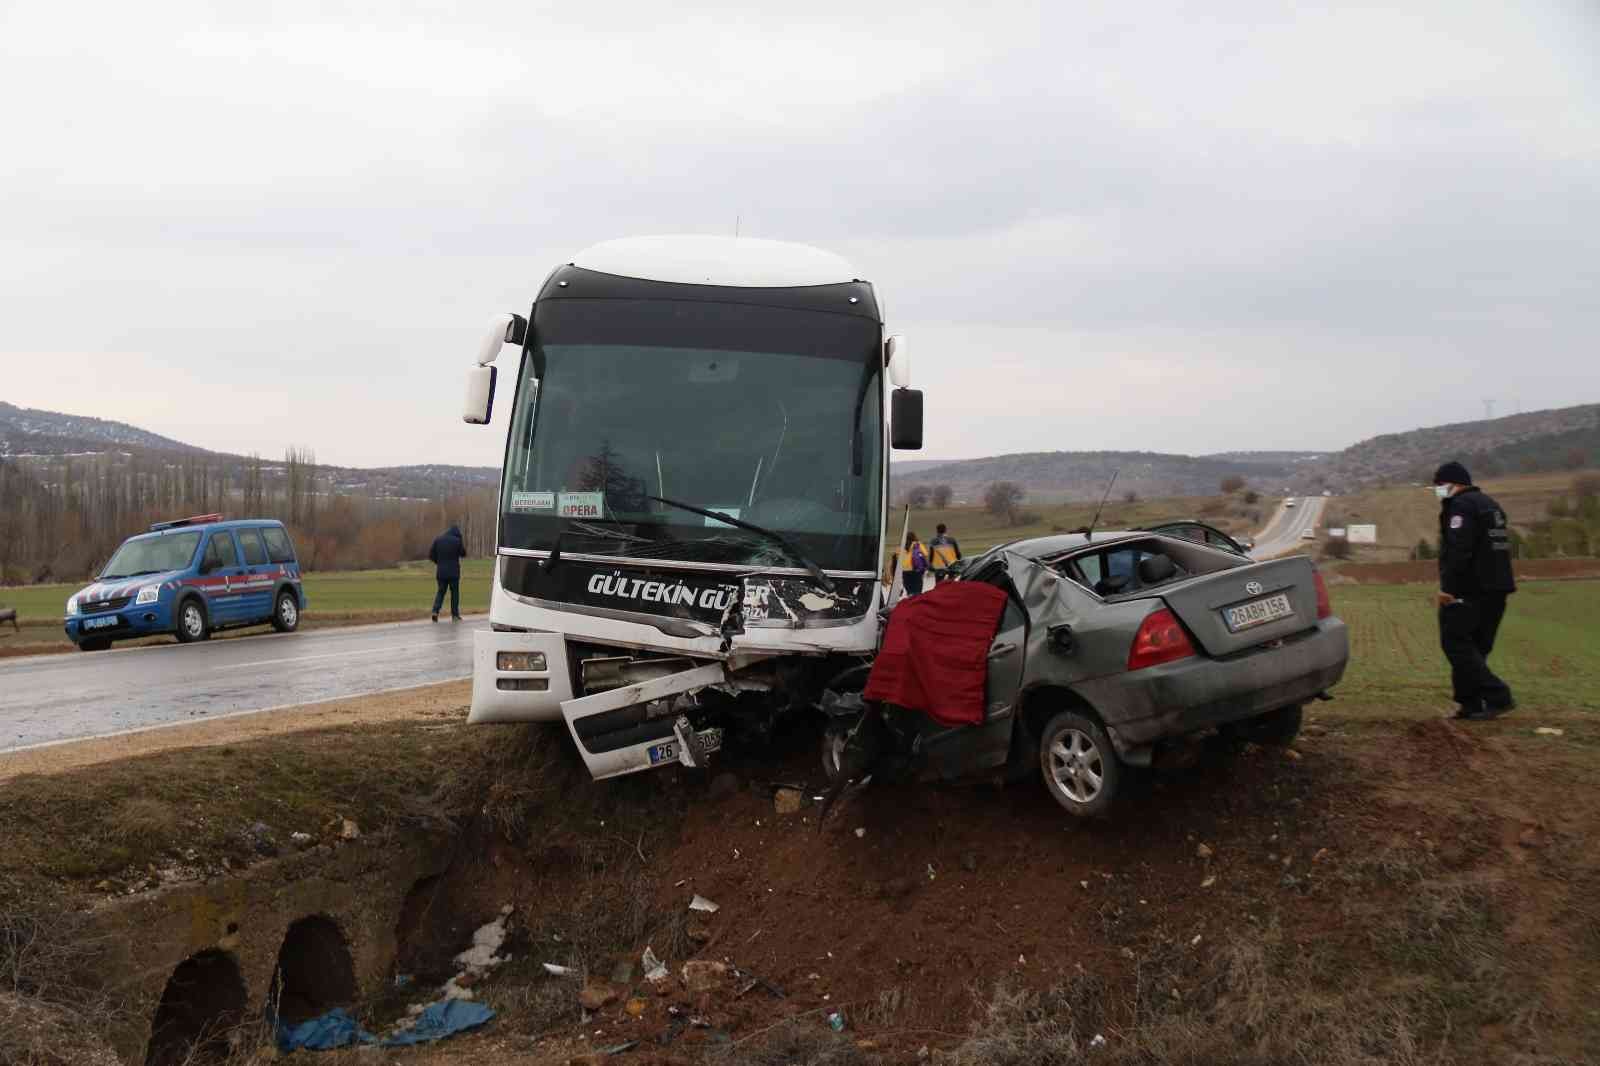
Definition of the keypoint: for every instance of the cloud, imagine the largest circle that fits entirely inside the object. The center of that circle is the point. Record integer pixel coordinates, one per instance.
(287, 224)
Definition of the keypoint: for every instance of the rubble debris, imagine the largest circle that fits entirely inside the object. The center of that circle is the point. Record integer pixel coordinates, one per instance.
(836, 1021)
(300, 839)
(1550, 731)
(1204, 851)
(349, 830)
(700, 903)
(596, 995)
(861, 831)
(704, 975)
(654, 969)
(788, 800)
(556, 970)
(480, 958)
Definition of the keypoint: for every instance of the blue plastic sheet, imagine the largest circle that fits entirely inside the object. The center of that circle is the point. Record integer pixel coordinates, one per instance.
(338, 1028)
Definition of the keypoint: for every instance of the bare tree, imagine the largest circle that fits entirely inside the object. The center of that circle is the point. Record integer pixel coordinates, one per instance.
(919, 496)
(1231, 484)
(941, 496)
(1002, 499)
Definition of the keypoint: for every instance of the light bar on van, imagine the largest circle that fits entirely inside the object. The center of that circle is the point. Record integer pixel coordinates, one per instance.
(192, 520)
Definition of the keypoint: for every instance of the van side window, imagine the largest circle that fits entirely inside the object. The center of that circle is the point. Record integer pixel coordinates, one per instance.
(279, 550)
(220, 552)
(254, 553)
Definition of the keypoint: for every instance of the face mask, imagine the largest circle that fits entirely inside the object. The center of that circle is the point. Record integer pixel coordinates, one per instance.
(1442, 491)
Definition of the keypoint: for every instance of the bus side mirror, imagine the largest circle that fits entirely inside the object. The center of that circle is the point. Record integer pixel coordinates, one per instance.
(905, 419)
(505, 329)
(479, 405)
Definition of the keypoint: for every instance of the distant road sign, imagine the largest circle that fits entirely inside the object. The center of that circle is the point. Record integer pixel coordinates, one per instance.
(1362, 534)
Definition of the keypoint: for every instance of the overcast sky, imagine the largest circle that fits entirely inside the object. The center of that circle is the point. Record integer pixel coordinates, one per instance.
(1179, 227)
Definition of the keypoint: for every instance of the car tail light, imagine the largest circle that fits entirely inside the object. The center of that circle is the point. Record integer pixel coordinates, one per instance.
(1160, 639)
(1324, 605)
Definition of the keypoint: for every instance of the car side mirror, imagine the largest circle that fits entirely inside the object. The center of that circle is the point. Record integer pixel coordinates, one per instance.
(905, 419)
(479, 404)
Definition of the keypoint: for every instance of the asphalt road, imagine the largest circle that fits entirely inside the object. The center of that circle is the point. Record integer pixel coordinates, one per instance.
(48, 699)
(1283, 533)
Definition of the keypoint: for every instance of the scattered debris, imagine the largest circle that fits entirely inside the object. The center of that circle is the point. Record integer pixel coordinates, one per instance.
(595, 995)
(654, 969)
(480, 958)
(1098, 1041)
(861, 831)
(836, 1021)
(635, 1007)
(555, 970)
(349, 830)
(788, 800)
(1204, 851)
(703, 975)
(1209, 881)
(1322, 853)
(1550, 731)
(700, 903)
(301, 839)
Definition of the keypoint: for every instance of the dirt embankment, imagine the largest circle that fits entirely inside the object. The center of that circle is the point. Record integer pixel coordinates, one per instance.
(1365, 899)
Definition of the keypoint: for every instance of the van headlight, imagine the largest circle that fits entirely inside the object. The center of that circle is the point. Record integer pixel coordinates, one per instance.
(148, 594)
(72, 606)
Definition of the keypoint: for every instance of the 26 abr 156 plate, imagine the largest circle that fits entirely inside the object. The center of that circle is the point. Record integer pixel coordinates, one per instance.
(1257, 612)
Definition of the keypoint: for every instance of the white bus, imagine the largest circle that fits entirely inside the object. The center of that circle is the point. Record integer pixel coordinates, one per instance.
(694, 494)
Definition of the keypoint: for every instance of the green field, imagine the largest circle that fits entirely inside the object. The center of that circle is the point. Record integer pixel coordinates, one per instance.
(336, 596)
(1548, 651)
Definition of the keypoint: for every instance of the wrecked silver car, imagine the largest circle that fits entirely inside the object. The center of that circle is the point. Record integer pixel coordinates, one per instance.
(1108, 646)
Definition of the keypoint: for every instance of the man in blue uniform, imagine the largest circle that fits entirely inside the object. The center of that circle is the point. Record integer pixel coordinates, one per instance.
(1474, 581)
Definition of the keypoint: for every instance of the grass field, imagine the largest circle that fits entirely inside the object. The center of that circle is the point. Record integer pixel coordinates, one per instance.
(1548, 651)
(1407, 514)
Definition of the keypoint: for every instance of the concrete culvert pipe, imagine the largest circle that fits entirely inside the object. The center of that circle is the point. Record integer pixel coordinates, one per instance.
(202, 1006)
(314, 973)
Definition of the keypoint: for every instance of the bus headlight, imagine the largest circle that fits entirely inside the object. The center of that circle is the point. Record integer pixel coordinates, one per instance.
(520, 660)
(148, 594)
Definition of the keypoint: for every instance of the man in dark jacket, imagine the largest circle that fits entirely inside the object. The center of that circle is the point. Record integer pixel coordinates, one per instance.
(446, 554)
(1474, 581)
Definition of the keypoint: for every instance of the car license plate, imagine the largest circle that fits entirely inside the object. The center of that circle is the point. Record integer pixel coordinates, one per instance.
(667, 751)
(108, 622)
(1258, 612)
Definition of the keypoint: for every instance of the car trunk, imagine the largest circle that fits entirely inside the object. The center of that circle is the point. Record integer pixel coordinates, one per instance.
(1239, 608)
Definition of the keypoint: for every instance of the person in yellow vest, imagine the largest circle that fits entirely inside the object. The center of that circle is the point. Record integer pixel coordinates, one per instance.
(944, 553)
(912, 561)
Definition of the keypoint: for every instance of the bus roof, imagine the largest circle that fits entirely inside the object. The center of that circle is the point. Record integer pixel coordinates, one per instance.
(737, 262)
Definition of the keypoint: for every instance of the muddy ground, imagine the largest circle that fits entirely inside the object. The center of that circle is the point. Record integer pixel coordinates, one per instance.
(1407, 890)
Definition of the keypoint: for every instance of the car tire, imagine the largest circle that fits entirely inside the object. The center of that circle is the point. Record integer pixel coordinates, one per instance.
(1276, 729)
(286, 612)
(1080, 768)
(97, 644)
(193, 624)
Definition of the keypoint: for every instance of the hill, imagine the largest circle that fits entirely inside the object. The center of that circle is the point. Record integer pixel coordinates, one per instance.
(28, 432)
(1537, 441)
(1053, 476)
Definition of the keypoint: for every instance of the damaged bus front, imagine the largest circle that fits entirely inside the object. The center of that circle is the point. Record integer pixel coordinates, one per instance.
(693, 495)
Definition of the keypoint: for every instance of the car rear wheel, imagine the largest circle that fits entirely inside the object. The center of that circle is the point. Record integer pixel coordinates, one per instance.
(1079, 765)
(193, 624)
(96, 644)
(1274, 729)
(286, 615)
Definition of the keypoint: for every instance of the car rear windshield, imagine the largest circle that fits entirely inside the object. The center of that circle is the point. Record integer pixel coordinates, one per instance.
(279, 550)
(152, 555)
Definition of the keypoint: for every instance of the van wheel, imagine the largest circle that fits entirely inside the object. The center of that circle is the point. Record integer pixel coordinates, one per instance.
(286, 615)
(1275, 729)
(193, 624)
(97, 644)
(1079, 765)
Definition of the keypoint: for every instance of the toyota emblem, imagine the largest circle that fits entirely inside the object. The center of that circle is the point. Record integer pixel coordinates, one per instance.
(1253, 589)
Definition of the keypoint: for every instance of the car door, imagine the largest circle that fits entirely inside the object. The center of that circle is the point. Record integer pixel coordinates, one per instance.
(219, 571)
(257, 579)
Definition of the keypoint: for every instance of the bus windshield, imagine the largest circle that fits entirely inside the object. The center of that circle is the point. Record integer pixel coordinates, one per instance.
(768, 415)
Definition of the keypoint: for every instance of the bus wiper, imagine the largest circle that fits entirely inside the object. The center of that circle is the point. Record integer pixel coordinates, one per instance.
(823, 580)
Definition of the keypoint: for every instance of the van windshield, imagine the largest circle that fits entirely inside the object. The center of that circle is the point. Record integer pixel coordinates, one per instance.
(765, 414)
(152, 555)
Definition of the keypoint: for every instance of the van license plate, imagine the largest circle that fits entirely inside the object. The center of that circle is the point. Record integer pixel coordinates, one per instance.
(1258, 612)
(667, 751)
(108, 622)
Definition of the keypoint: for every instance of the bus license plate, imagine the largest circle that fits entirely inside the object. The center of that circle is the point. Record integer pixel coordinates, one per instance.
(1258, 612)
(667, 751)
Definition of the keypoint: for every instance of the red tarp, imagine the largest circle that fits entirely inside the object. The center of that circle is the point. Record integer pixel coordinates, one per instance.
(935, 654)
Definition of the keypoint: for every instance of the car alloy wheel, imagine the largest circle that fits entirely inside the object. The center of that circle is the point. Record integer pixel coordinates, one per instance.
(288, 613)
(1077, 766)
(191, 622)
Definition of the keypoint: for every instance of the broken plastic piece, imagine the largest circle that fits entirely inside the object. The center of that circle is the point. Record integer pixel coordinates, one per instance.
(836, 1021)
(555, 970)
(700, 903)
(654, 970)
